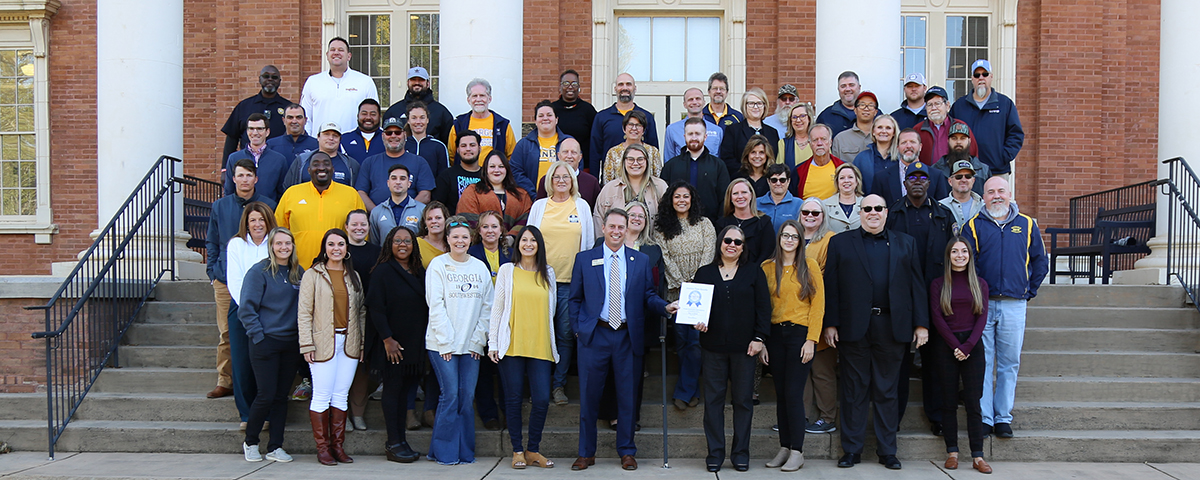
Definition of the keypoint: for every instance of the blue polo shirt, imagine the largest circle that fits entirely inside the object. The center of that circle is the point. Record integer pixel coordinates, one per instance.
(291, 148)
(235, 125)
(373, 176)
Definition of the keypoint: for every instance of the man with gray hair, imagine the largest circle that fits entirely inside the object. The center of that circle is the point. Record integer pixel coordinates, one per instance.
(787, 98)
(494, 131)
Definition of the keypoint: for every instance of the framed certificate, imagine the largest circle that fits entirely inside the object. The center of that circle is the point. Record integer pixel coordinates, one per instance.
(695, 303)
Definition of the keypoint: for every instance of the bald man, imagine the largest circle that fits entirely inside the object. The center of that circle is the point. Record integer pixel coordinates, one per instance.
(673, 142)
(607, 130)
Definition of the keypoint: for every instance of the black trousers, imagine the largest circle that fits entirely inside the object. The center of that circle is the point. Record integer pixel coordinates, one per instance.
(274, 364)
(931, 392)
(721, 373)
(397, 381)
(790, 375)
(871, 373)
(949, 372)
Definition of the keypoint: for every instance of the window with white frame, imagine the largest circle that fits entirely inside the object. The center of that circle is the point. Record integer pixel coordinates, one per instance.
(423, 50)
(943, 42)
(913, 49)
(966, 41)
(18, 146)
(669, 49)
(371, 52)
(374, 52)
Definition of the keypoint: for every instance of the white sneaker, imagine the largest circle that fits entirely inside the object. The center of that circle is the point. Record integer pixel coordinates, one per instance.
(278, 455)
(251, 452)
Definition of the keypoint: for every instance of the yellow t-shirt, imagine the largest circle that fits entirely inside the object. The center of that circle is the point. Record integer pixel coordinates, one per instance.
(428, 252)
(547, 155)
(493, 261)
(529, 320)
(562, 229)
(485, 127)
(309, 214)
(820, 182)
(788, 307)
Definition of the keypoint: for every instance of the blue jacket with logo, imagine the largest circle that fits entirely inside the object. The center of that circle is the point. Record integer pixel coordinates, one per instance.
(526, 156)
(1009, 254)
(354, 144)
(224, 221)
(995, 128)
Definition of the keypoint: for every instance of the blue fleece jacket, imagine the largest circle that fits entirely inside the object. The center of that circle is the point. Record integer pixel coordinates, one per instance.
(269, 304)
(1009, 254)
(995, 129)
(525, 158)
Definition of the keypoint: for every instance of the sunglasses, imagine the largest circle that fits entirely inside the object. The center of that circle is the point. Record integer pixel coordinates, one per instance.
(980, 74)
(460, 224)
(269, 77)
(874, 208)
(393, 133)
(779, 180)
(733, 241)
(811, 213)
(963, 176)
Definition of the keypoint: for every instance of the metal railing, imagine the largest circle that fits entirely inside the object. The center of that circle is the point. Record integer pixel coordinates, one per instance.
(198, 198)
(1121, 212)
(89, 314)
(1183, 226)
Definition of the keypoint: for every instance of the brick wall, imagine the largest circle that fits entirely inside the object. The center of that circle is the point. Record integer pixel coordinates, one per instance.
(781, 47)
(557, 38)
(22, 359)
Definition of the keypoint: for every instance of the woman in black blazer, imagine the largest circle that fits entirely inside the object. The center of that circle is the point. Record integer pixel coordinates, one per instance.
(397, 310)
(731, 341)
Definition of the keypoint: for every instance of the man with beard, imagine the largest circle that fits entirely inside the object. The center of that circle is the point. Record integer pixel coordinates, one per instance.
(858, 137)
(463, 173)
(783, 107)
(332, 96)
(935, 130)
(889, 183)
(815, 176)
(875, 305)
(494, 131)
(993, 117)
(912, 109)
(571, 152)
(931, 225)
(841, 115)
(693, 104)
(440, 118)
(312, 208)
(697, 166)
(420, 142)
(329, 142)
(296, 141)
(372, 182)
(267, 102)
(963, 202)
(1010, 255)
(363, 141)
(717, 111)
(960, 146)
(608, 130)
(270, 166)
(575, 115)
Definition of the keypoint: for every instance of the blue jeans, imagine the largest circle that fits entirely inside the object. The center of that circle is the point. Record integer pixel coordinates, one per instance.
(513, 371)
(564, 338)
(687, 345)
(453, 439)
(1002, 339)
(244, 386)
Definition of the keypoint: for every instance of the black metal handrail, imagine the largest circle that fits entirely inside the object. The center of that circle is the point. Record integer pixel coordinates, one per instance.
(197, 206)
(90, 312)
(1129, 203)
(1183, 226)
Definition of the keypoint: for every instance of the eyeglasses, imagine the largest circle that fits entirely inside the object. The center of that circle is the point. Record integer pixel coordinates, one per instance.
(268, 76)
(800, 116)
(637, 216)
(789, 236)
(874, 208)
(570, 84)
(867, 106)
(980, 74)
(402, 241)
(754, 104)
(393, 133)
(811, 213)
(733, 241)
(633, 125)
(935, 103)
(561, 178)
(257, 129)
(779, 179)
(964, 176)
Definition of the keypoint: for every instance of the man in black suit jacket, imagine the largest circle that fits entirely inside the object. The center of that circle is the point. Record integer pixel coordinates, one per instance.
(875, 304)
(887, 183)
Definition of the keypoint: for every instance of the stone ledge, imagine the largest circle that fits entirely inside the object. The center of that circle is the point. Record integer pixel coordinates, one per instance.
(30, 286)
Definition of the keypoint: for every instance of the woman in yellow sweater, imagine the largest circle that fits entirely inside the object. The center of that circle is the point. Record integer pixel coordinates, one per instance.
(798, 306)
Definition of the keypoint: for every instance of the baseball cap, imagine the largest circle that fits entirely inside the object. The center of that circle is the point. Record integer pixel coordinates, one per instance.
(982, 63)
(936, 92)
(963, 165)
(917, 167)
(416, 72)
(867, 94)
(327, 126)
(787, 89)
(916, 78)
(394, 122)
(960, 128)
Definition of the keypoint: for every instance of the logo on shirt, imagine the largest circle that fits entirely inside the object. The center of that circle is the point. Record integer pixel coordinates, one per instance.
(1016, 229)
(302, 202)
(280, 110)
(464, 182)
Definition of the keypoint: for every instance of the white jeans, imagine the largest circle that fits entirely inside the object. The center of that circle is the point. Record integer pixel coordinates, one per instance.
(331, 379)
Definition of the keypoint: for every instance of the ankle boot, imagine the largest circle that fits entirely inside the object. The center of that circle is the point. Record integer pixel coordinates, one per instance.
(337, 431)
(320, 428)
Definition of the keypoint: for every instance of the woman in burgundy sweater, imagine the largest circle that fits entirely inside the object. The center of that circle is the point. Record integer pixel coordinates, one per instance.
(958, 306)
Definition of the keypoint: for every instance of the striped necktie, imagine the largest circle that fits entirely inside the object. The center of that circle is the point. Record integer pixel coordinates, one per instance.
(614, 292)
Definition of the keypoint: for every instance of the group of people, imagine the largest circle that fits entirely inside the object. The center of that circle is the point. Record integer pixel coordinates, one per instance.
(403, 263)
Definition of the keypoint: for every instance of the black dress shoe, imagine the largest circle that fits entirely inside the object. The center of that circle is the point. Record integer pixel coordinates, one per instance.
(848, 460)
(1004, 430)
(741, 468)
(936, 428)
(714, 468)
(401, 453)
(890, 461)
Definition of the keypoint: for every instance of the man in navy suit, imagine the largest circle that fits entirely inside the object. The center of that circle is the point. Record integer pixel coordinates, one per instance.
(611, 287)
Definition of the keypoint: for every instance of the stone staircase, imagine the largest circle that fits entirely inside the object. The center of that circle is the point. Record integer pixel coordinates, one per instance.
(1109, 373)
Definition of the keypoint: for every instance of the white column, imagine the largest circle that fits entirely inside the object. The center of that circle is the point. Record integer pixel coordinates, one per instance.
(864, 39)
(483, 38)
(1178, 100)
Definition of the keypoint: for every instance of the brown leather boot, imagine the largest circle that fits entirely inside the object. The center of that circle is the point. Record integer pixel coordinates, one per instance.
(320, 427)
(337, 431)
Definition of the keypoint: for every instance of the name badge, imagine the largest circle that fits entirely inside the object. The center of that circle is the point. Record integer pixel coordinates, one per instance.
(451, 268)
(339, 175)
(573, 218)
(599, 262)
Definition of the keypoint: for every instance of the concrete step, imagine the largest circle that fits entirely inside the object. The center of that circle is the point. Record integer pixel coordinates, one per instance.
(169, 356)
(184, 334)
(156, 380)
(1110, 364)
(23, 406)
(1111, 317)
(184, 291)
(200, 313)
(1105, 389)
(561, 444)
(1100, 339)
(1109, 296)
